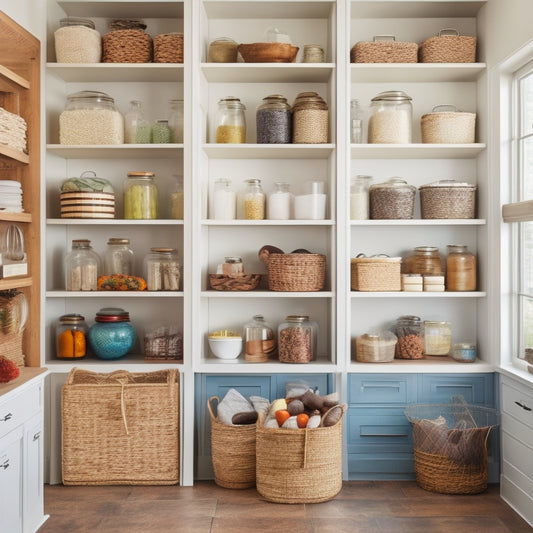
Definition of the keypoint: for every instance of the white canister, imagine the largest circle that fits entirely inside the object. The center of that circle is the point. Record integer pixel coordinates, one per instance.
(312, 204)
(279, 205)
(224, 202)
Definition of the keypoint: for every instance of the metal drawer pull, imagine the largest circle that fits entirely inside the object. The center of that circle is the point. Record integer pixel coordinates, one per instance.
(5, 464)
(7, 417)
(37, 436)
(524, 407)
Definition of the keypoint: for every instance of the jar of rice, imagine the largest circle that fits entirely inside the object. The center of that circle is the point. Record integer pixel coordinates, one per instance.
(391, 116)
(90, 117)
(76, 41)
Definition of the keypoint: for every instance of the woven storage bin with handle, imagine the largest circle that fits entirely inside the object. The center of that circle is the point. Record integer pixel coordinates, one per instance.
(448, 47)
(120, 428)
(384, 49)
(448, 199)
(376, 274)
(299, 465)
(296, 272)
(126, 46)
(446, 125)
(232, 451)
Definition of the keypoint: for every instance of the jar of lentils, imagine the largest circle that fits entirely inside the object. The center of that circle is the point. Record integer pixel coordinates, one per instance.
(297, 339)
(273, 120)
(140, 196)
(391, 117)
(424, 260)
(231, 125)
(392, 199)
(310, 119)
(254, 200)
(410, 343)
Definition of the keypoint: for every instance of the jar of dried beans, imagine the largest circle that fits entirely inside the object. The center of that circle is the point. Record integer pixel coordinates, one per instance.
(297, 339)
(231, 125)
(391, 116)
(410, 338)
(82, 266)
(310, 119)
(273, 121)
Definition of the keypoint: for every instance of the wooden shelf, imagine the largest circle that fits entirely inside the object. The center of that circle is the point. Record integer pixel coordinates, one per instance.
(23, 218)
(11, 77)
(121, 8)
(17, 155)
(15, 283)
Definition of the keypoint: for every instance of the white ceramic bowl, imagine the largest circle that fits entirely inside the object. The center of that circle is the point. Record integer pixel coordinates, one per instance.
(225, 347)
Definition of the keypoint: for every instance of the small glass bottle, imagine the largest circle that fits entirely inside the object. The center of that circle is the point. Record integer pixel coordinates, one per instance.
(118, 257)
(460, 269)
(161, 269)
(136, 127)
(71, 337)
(253, 200)
(176, 199)
(259, 339)
(359, 197)
(356, 122)
(424, 260)
(297, 339)
(391, 117)
(410, 343)
(231, 124)
(437, 338)
(274, 121)
(82, 267)
(224, 203)
(161, 132)
(140, 196)
(175, 120)
(280, 202)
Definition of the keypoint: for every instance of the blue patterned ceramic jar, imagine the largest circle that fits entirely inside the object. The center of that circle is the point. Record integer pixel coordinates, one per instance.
(112, 335)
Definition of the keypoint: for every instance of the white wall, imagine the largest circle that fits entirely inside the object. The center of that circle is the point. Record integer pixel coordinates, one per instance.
(30, 14)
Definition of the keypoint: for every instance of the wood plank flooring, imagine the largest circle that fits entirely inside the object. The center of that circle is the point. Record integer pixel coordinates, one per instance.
(361, 506)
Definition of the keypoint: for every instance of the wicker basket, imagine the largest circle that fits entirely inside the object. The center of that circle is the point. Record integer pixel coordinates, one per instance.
(84, 204)
(126, 46)
(448, 126)
(384, 49)
(372, 274)
(296, 272)
(448, 47)
(168, 48)
(232, 452)
(299, 465)
(448, 199)
(244, 282)
(13, 314)
(120, 428)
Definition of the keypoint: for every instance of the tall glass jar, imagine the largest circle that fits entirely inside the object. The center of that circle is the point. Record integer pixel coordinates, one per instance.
(82, 267)
(175, 119)
(118, 257)
(231, 124)
(111, 336)
(424, 260)
(460, 269)
(280, 202)
(140, 196)
(310, 119)
(273, 120)
(71, 337)
(359, 197)
(391, 117)
(253, 200)
(176, 199)
(161, 269)
(437, 338)
(356, 122)
(410, 335)
(297, 339)
(224, 203)
(136, 127)
(260, 341)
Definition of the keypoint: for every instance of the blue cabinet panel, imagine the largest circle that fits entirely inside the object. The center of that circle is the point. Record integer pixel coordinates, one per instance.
(476, 389)
(379, 466)
(382, 388)
(322, 382)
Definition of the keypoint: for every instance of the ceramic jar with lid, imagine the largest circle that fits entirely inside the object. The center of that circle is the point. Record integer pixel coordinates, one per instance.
(410, 338)
(310, 119)
(460, 269)
(253, 200)
(118, 257)
(111, 336)
(76, 41)
(140, 196)
(230, 122)
(392, 199)
(359, 197)
(71, 337)
(82, 267)
(297, 339)
(424, 260)
(274, 120)
(391, 117)
(259, 339)
(161, 268)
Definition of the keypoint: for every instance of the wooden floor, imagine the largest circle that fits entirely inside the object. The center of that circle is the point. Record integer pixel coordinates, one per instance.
(361, 506)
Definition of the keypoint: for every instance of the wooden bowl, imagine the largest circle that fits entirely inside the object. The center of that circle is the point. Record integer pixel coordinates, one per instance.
(244, 282)
(268, 52)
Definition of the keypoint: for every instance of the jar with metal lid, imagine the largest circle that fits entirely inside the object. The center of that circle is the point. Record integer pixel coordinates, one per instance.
(162, 270)
(391, 117)
(437, 338)
(424, 260)
(176, 198)
(82, 267)
(232, 266)
(136, 127)
(118, 257)
(76, 41)
(297, 339)
(259, 339)
(274, 121)
(231, 124)
(140, 196)
(464, 352)
(224, 202)
(253, 200)
(280, 202)
(410, 338)
(313, 53)
(392, 199)
(175, 119)
(71, 337)
(222, 50)
(111, 336)
(90, 117)
(460, 269)
(310, 119)
(161, 132)
(359, 197)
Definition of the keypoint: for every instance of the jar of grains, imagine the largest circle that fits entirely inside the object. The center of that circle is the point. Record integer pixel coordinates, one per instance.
(460, 269)
(424, 260)
(359, 198)
(161, 269)
(175, 119)
(224, 203)
(437, 338)
(90, 117)
(391, 116)
(140, 196)
(313, 53)
(161, 132)
(118, 257)
(71, 337)
(310, 119)
(76, 41)
(280, 202)
(231, 125)
(253, 201)
(82, 267)
(176, 198)
(260, 341)
(273, 120)
(394, 198)
(297, 339)
(410, 338)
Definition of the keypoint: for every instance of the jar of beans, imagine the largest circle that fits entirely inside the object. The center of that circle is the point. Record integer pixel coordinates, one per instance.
(231, 125)
(253, 200)
(310, 119)
(297, 339)
(410, 338)
(424, 260)
(460, 269)
(273, 120)
(391, 117)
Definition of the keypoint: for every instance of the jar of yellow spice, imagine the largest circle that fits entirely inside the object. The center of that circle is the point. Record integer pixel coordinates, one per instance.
(231, 125)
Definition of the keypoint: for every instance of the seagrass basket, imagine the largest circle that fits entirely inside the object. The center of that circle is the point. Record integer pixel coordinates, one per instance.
(13, 316)
(448, 199)
(127, 46)
(296, 272)
(446, 125)
(232, 451)
(448, 47)
(384, 49)
(376, 274)
(120, 428)
(299, 465)
(168, 48)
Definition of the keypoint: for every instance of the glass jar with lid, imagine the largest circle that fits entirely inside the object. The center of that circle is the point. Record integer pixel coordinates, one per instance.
(161, 268)
(222, 50)
(230, 122)
(232, 266)
(280, 202)
(82, 267)
(175, 119)
(140, 196)
(161, 132)
(71, 337)
(392, 199)
(77, 41)
(356, 122)
(224, 202)
(176, 198)
(274, 121)
(112, 335)
(253, 200)
(460, 269)
(310, 119)
(391, 117)
(359, 197)
(437, 338)
(90, 117)
(136, 127)
(424, 260)
(410, 335)
(297, 339)
(260, 341)
(118, 257)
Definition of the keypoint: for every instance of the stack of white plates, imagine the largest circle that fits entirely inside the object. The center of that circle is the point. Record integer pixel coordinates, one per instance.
(10, 196)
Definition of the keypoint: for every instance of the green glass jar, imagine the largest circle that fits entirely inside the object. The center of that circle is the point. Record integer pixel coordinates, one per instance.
(140, 196)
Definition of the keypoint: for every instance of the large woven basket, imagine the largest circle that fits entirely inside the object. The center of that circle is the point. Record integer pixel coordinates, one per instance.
(120, 428)
(232, 451)
(296, 272)
(445, 201)
(446, 125)
(448, 47)
(376, 274)
(299, 465)
(13, 316)
(168, 48)
(127, 46)
(384, 49)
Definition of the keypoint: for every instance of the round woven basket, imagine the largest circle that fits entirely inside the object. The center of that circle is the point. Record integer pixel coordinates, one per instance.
(296, 272)
(448, 127)
(448, 202)
(168, 48)
(126, 46)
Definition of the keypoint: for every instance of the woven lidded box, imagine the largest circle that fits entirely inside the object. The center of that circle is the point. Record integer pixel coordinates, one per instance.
(384, 49)
(448, 199)
(448, 47)
(447, 125)
(376, 274)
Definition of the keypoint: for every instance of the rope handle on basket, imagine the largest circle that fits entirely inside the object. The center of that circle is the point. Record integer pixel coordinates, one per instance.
(385, 38)
(210, 408)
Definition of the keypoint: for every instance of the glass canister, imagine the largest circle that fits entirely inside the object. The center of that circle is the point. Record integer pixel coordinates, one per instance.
(90, 117)
(410, 343)
(222, 50)
(274, 121)
(111, 336)
(437, 338)
(136, 127)
(313, 53)
(118, 257)
(464, 352)
(392, 199)
(280, 202)
(71, 337)
(356, 122)
(76, 41)
(310, 119)
(359, 197)
(253, 200)
(161, 132)
(224, 203)
(460, 269)
(260, 341)
(82, 267)
(231, 124)
(424, 260)
(312, 205)
(297, 339)
(232, 266)
(162, 269)
(140, 196)
(391, 117)
(175, 119)
(176, 198)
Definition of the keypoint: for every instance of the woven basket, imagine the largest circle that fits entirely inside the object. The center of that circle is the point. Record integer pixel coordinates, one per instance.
(299, 465)
(13, 313)
(448, 126)
(232, 452)
(296, 272)
(126, 46)
(384, 49)
(244, 282)
(120, 428)
(448, 47)
(452, 201)
(168, 48)
(11, 348)
(376, 274)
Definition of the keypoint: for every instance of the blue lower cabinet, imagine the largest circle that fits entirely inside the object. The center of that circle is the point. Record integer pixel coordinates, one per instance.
(382, 388)
(476, 389)
(378, 466)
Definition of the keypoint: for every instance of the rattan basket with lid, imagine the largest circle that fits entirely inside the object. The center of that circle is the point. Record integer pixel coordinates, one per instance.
(447, 125)
(448, 47)
(394, 198)
(448, 199)
(384, 49)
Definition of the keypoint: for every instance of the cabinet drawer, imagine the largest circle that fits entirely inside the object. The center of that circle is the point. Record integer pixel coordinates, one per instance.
(476, 389)
(380, 466)
(517, 454)
(18, 408)
(518, 403)
(380, 388)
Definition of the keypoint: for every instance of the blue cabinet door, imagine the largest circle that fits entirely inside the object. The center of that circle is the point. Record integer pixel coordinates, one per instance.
(382, 388)
(477, 389)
